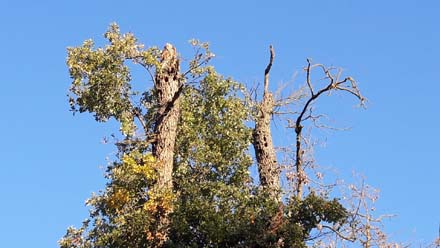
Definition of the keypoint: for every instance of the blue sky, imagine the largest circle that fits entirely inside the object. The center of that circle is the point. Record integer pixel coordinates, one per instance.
(52, 161)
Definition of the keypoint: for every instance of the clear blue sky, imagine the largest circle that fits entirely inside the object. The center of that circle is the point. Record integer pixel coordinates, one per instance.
(52, 161)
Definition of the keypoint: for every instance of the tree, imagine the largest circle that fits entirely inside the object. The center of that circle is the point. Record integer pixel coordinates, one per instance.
(181, 175)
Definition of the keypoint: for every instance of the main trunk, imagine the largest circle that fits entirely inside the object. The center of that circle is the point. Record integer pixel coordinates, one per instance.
(262, 140)
(265, 153)
(167, 86)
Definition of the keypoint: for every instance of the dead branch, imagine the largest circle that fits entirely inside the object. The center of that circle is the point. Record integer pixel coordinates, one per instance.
(267, 70)
(362, 223)
(347, 84)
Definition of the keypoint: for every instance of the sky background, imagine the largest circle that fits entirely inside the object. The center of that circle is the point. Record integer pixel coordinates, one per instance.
(52, 161)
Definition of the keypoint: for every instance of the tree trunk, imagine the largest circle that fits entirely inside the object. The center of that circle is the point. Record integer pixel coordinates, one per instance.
(262, 140)
(168, 88)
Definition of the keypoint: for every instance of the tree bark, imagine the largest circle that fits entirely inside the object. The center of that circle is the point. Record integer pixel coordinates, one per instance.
(167, 86)
(269, 172)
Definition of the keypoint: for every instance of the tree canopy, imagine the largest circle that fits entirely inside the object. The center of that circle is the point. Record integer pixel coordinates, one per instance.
(181, 177)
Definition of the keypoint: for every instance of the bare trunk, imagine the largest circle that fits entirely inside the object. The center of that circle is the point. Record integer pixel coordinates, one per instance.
(262, 140)
(167, 86)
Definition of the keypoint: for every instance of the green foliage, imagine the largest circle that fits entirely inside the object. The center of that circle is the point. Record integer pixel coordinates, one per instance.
(213, 138)
(212, 176)
(101, 78)
(305, 215)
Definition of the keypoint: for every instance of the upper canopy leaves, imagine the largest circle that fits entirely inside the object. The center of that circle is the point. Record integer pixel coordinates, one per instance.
(101, 78)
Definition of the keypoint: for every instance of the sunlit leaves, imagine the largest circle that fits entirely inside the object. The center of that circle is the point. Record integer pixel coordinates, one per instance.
(198, 65)
(212, 130)
(118, 199)
(159, 202)
(143, 164)
(101, 78)
(126, 213)
(128, 127)
(75, 237)
(100, 81)
(212, 165)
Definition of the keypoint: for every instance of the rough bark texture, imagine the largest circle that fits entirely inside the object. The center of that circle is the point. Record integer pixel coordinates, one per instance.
(167, 85)
(262, 140)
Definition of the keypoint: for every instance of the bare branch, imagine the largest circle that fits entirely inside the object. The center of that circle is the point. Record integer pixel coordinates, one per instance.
(267, 70)
(291, 98)
(308, 71)
(333, 85)
(340, 234)
(137, 113)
